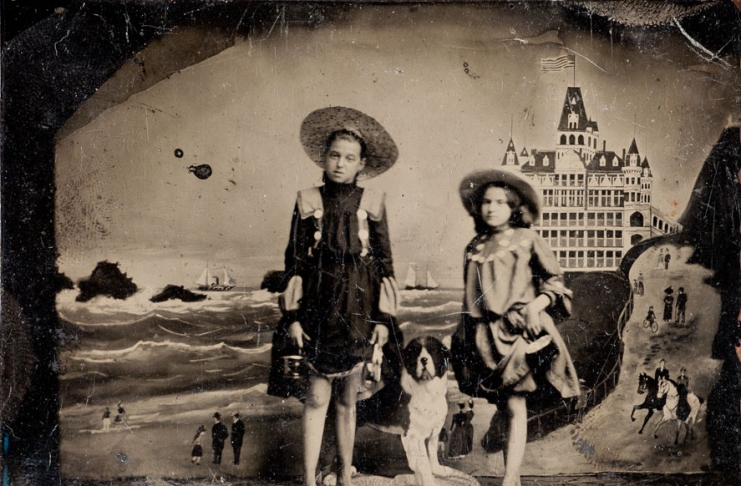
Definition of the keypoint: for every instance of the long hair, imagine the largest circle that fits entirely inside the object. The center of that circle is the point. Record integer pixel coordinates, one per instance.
(520, 217)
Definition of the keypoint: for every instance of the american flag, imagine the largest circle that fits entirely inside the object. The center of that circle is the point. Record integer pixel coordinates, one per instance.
(557, 63)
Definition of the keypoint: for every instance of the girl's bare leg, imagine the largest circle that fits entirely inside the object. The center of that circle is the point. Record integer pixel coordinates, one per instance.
(315, 413)
(517, 411)
(347, 396)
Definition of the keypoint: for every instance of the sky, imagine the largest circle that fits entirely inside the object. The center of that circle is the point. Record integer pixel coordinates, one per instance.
(123, 196)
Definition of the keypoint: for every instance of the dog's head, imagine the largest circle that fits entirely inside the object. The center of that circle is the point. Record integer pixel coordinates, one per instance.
(426, 358)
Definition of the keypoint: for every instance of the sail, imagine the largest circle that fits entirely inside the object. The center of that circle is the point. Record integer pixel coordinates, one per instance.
(411, 280)
(205, 279)
(431, 284)
(228, 281)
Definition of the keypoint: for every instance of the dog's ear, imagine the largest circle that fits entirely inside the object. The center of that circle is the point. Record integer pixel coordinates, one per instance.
(410, 354)
(441, 355)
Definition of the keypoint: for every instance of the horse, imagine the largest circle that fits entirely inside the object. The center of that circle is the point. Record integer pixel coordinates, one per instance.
(652, 403)
(683, 408)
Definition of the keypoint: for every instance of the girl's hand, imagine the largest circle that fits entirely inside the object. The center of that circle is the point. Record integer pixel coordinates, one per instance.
(380, 335)
(297, 334)
(531, 313)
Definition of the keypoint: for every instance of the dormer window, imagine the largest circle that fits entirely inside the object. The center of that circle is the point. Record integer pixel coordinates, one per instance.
(602, 161)
(614, 162)
(546, 161)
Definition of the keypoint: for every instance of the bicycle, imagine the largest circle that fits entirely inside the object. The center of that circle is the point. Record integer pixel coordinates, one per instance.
(652, 323)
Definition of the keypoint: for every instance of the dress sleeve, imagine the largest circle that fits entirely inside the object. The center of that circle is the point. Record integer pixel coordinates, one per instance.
(548, 276)
(381, 245)
(295, 252)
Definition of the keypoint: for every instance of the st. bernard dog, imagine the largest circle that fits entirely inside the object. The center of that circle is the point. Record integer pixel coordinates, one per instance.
(417, 411)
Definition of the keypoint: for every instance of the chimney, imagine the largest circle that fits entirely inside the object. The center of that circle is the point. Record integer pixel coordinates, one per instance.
(623, 154)
(604, 145)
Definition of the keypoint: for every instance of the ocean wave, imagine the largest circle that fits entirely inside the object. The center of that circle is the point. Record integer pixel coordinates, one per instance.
(82, 374)
(123, 322)
(109, 355)
(450, 308)
(263, 304)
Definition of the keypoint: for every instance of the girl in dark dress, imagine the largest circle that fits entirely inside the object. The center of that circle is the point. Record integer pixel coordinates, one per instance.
(197, 452)
(341, 298)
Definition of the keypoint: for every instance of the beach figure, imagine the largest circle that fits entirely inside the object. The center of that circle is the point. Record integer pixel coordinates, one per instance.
(661, 373)
(219, 433)
(120, 418)
(458, 440)
(237, 436)
(650, 320)
(106, 419)
(341, 299)
(667, 259)
(660, 261)
(641, 289)
(442, 442)
(469, 426)
(681, 305)
(507, 348)
(668, 303)
(197, 453)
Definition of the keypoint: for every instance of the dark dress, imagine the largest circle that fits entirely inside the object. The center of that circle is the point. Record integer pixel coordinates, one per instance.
(668, 303)
(458, 440)
(342, 253)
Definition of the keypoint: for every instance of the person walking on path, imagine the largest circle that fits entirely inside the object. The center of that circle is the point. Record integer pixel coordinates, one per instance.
(340, 302)
(197, 452)
(237, 436)
(219, 433)
(668, 304)
(681, 305)
(667, 258)
(660, 261)
(106, 419)
(507, 348)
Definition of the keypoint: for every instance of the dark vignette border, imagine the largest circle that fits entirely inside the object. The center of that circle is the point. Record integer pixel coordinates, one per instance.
(54, 56)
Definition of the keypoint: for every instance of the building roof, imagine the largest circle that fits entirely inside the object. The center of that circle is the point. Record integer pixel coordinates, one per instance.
(645, 165)
(613, 163)
(573, 103)
(510, 149)
(633, 147)
(537, 162)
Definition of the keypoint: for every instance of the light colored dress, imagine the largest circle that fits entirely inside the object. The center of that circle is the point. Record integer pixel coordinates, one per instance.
(492, 358)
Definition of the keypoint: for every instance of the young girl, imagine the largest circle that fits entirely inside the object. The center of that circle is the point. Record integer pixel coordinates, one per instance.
(197, 452)
(340, 301)
(507, 348)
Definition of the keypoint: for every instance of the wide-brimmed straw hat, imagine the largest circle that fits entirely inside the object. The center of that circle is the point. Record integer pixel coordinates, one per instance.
(319, 124)
(472, 184)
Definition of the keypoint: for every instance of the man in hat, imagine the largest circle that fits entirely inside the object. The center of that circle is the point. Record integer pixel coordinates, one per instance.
(237, 436)
(681, 305)
(219, 433)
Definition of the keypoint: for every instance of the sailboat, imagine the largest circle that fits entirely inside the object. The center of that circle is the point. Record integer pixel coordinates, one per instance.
(420, 280)
(212, 281)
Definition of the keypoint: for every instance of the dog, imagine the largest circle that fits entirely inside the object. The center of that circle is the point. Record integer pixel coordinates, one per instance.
(416, 407)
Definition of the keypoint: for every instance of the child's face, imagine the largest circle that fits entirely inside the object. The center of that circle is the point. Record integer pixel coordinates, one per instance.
(495, 210)
(342, 162)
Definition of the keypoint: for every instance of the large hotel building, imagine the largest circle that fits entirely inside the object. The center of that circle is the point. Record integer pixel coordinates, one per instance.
(596, 203)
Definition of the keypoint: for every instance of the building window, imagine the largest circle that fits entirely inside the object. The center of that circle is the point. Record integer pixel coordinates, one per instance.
(636, 219)
(563, 139)
(593, 197)
(546, 161)
(591, 219)
(546, 219)
(617, 197)
(606, 198)
(581, 139)
(600, 219)
(600, 258)
(572, 140)
(581, 219)
(572, 258)
(562, 258)
(614, 161)
(618, 238)
(600, 238)
(609, 262)
(562, 238)
(619, 220)
(609, 238)
(602, 161)
(590, 237)
(572, 238)
(580, 259)
(655, 222)
(610, 221)
(580, 180)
